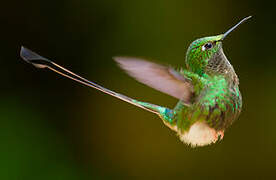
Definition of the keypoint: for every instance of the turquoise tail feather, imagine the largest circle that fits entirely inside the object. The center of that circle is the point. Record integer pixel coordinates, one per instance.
(165, 113)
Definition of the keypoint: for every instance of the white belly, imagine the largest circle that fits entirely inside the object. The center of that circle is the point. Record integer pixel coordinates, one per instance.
(200, 134)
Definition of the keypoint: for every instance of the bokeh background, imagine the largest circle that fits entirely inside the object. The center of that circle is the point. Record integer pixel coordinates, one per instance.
(54, 128)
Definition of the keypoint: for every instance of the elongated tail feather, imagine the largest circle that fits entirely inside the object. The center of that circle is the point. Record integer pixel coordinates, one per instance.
(41, 62)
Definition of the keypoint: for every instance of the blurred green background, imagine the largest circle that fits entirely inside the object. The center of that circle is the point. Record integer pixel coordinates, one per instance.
(53, 128)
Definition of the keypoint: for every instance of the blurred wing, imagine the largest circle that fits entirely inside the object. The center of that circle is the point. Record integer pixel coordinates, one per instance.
(162, 78)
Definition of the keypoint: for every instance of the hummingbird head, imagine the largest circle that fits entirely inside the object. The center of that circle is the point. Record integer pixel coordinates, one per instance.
(205, 55)
(201, 51)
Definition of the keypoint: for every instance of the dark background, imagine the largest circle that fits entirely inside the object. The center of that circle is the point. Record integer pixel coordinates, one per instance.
(53, 128)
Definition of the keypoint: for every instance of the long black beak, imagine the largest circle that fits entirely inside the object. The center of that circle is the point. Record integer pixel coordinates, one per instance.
(234, 27)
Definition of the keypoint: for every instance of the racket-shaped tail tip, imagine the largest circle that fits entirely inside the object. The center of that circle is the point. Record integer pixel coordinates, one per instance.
(33, 58)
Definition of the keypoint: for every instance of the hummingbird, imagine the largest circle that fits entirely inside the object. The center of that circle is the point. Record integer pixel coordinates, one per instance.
(207, 89)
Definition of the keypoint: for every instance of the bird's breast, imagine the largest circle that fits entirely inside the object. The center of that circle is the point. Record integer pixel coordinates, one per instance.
(219, 104)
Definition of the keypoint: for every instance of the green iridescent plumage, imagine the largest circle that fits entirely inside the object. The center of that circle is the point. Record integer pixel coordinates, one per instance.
(207, 89)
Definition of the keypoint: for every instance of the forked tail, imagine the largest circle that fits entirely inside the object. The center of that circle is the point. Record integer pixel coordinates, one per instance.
(41, 62)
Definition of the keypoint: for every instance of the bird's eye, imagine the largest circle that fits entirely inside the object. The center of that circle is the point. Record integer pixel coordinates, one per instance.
(208, 45)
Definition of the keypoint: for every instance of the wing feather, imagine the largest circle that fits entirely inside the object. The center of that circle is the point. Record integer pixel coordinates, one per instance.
(162, 78)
